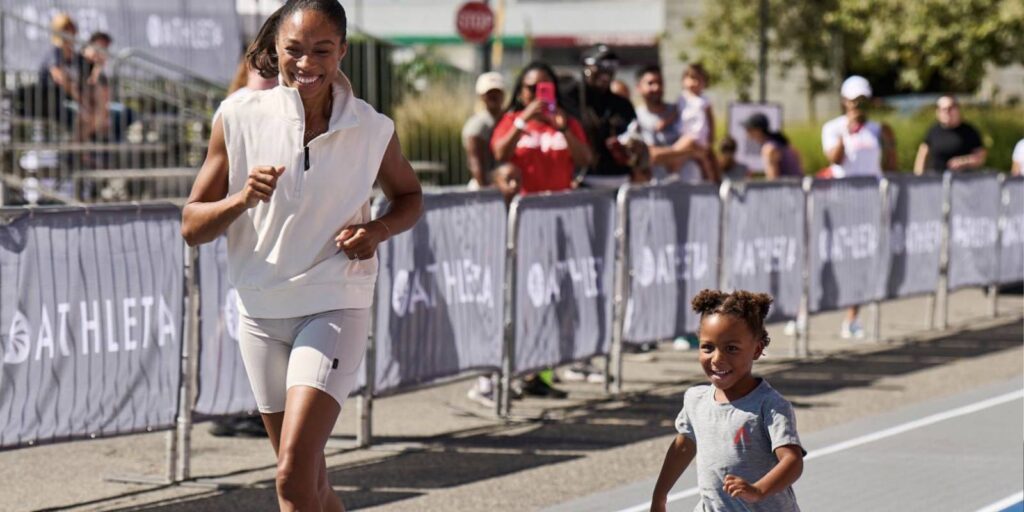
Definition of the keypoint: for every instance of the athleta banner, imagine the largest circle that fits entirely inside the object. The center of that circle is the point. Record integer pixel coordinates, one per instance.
(565, 249)
(973, 223)
(845, 257)
(223, 385)
(915, 235)
(91, 309)
(672, 246)
(440, 292)
(1011, 254)
(202, 36)
(764, 243)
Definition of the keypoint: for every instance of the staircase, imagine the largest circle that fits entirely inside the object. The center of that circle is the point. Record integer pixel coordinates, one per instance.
(159, 124)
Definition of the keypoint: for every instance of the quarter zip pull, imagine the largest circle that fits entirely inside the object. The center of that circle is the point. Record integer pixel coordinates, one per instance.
(306, 160)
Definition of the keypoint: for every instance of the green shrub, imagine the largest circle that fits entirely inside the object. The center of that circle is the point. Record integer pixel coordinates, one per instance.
(429, 126)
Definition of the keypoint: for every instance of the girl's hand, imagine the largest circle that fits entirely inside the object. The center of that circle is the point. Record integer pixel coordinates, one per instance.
(360, 241)
(739, 488)
(260, 184)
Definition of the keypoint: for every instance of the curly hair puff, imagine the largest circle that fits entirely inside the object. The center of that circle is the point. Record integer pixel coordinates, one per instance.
(751, 307)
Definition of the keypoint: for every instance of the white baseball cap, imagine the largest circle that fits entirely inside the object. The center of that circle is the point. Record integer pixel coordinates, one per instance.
(855, 87)
(488, 82)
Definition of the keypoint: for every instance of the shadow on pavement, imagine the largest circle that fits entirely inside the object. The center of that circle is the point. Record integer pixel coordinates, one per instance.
(456, 459)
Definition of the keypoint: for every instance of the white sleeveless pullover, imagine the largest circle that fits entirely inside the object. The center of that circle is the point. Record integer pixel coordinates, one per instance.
(282, 258)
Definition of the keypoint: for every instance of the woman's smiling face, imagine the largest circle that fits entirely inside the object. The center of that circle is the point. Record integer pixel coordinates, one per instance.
(309, 51)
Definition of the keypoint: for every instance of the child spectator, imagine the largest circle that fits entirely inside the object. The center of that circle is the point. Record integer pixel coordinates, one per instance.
(749, 452)
(696, 123)
(731, 168)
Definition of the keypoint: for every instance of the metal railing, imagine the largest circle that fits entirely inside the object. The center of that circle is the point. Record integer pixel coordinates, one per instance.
(141, 132)
(136, 131)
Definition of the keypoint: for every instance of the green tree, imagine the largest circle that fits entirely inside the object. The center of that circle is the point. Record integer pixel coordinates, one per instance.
(921, 43)
(800, 34)
(929, 42)
(726, 35)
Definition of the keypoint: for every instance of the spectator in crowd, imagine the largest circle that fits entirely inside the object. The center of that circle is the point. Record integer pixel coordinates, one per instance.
(856, 146)
(697, 122)
(950, 143)
(476, 139)
(777, 155)
(656, 125)
(546, 148)
(61, 76)
(605, 116)
(1017, 167)
(620, 88)
(476, 133)
(731, 168)
(506, 178)
(853, 144)
(96, 85)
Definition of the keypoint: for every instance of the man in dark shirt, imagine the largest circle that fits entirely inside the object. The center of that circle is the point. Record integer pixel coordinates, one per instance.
(605, 116)
(950, 143)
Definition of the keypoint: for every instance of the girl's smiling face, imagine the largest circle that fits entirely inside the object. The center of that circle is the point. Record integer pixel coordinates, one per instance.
(728, 349)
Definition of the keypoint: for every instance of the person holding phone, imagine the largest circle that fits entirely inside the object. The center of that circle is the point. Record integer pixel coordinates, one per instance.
(547, 145)
(538, 136)
(856, 146)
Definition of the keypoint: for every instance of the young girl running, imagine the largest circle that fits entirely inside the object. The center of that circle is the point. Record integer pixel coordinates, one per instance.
(750, 453)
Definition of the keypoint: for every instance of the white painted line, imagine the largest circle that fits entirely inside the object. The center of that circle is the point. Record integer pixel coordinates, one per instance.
(1004, 503)
(876, 436)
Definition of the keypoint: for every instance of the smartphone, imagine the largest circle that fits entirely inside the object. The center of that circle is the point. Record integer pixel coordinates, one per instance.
(546, 94)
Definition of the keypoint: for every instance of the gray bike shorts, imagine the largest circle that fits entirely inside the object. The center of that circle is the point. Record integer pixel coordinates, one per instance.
(322, 351)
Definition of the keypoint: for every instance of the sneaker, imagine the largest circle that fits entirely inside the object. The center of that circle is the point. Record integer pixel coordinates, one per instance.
(790, 328)
(537, 387)
(848, 330)
(516, 389)
(575, 373)
(688, 342)
(596, 377)
(248, 426)
(480, 397)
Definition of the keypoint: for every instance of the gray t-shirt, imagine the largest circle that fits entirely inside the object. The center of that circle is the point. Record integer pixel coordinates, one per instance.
(646, 127)
(738, 438)
(481, 126)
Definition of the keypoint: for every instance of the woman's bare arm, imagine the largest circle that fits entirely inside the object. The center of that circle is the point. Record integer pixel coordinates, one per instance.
(399, 183)
(209, 210)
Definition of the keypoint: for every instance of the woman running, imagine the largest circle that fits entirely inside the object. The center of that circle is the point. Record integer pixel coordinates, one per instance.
(288, 177)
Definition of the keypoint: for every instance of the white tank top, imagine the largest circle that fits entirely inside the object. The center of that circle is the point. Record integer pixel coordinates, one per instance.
(862, 151)
(282, 258)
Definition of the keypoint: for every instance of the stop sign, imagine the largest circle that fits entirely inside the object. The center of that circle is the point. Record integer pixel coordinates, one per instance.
(474, 21)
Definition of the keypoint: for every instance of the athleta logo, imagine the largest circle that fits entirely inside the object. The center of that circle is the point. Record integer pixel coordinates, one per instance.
(741, 438)
(94, 327)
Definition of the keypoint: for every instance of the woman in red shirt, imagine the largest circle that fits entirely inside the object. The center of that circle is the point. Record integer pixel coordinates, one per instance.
(546, 147)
